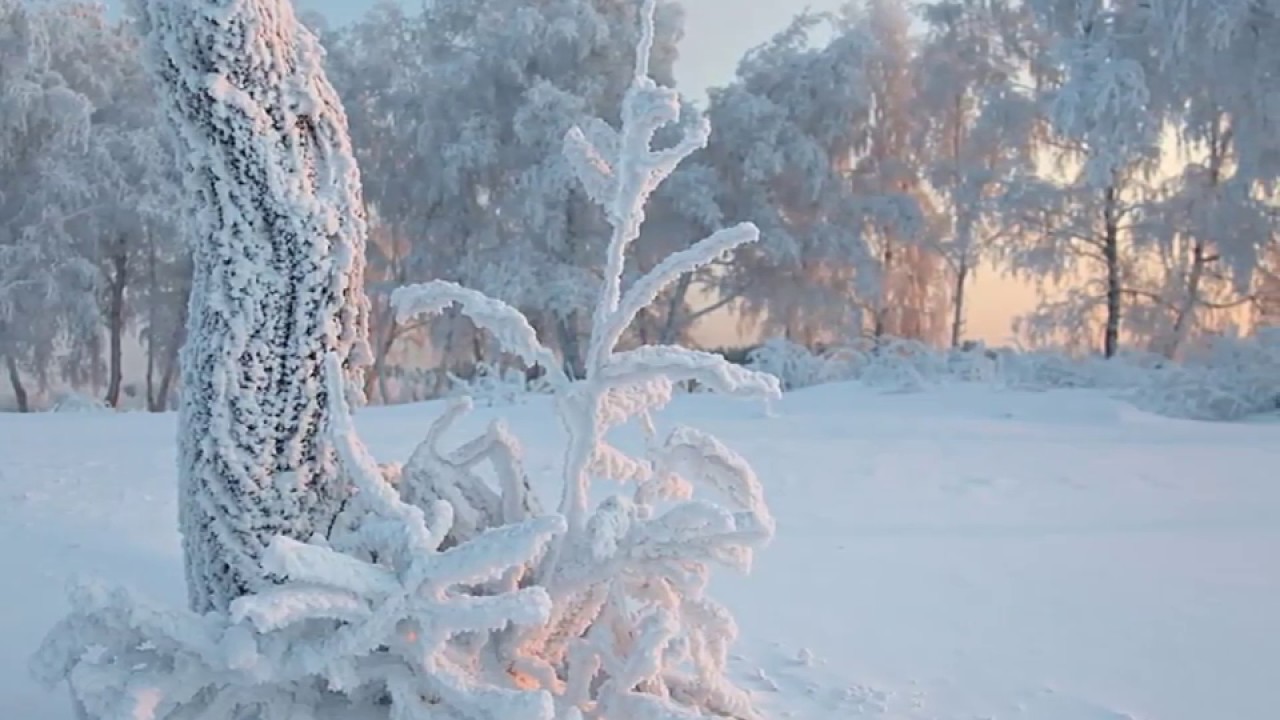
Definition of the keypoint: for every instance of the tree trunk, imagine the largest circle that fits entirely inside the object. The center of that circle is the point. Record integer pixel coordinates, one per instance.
(880, 323)
(149, 377)
(571, 345)
(277, 281)
(15, 380)
(116, 285)
(671, 326)
(97, 379)
(153, 284)
(957, 304)
(1111, 253)
(1185, 314)
(373, 379)
(171, 364)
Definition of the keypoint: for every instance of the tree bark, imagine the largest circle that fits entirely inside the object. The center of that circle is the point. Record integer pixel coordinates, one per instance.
(173, 349)
(671, 325)
(571, 344)
(116, 286)
(277, 281)
(880, 322)
(1185, 314)
(957, 304)
(1111, 254)
(15, 380)
(373, 379)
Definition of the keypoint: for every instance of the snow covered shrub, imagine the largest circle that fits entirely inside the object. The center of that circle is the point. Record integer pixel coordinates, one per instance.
(899, 364)
(382, 614)
(632, 632)
(971, 363)
(78, 402)
(494, 384)
(796, 366)
(1048, 369)
(440, 591)
(887, 363)
(1229, 379)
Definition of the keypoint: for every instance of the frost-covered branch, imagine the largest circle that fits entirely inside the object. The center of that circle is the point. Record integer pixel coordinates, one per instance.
(508, 326)
(371, 616)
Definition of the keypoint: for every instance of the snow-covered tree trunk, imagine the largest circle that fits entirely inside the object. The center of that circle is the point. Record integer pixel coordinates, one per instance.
(280, 236)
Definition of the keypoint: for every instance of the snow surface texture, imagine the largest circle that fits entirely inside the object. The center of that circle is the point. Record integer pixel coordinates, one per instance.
(279, 258)
(957, 553)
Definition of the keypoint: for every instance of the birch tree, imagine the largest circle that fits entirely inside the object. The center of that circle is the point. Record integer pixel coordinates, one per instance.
(787, 131)
(977, 127)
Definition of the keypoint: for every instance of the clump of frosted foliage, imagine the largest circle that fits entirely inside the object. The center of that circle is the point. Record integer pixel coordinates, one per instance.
(443, 590)
(78, 402)
(899, 364)
(1048, 369)
(972, 362)
(381, 614)
(889, 364)
(493, 384)
(1228, 379)
(796, 366)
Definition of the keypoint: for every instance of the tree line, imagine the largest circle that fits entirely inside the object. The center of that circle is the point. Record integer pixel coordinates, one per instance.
(887, 153)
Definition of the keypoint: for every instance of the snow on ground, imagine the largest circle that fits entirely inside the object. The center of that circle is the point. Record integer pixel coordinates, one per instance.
(959, 554)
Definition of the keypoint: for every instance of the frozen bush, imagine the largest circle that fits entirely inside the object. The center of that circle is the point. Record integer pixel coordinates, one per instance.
(493, 384)
(77, 402)
(1228, 379)
(797, 367)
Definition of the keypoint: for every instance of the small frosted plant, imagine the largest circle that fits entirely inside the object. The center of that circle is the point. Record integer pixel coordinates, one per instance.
(632, 631)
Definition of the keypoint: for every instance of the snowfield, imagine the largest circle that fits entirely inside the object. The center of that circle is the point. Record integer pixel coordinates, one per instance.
(956, 554)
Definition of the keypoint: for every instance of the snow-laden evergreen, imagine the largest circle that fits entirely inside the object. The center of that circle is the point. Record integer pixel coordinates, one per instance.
(441, 591)
(279, 256)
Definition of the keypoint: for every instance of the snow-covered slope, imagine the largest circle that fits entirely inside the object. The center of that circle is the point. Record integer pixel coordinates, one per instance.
(951, 555)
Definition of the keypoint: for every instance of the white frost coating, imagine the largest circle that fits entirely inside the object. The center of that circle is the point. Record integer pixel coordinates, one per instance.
(437, 591)
(631, 633)
(278, 268)
(679, 364)
(336, 636)
(509, 327)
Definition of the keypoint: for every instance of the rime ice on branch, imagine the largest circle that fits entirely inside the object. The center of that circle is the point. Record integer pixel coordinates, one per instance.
(372, 620)
(632, 632)
(280, 236)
